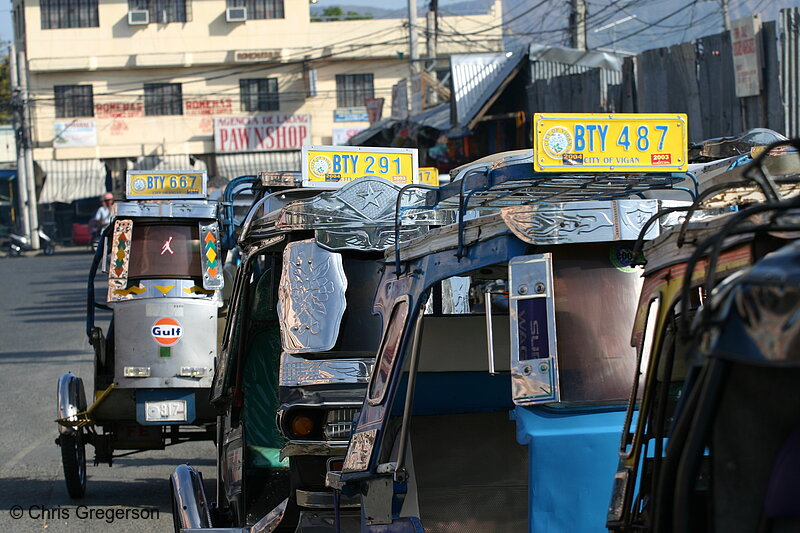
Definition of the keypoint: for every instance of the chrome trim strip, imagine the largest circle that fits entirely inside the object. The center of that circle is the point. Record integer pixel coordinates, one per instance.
(294, 448)
(167, 209)
(324, 500)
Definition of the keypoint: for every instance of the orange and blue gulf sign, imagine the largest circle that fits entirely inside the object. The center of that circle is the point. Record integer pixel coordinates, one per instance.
(166, 331)
(610, 143)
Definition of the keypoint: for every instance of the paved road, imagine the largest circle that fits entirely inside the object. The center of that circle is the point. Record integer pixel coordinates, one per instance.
(42, 326)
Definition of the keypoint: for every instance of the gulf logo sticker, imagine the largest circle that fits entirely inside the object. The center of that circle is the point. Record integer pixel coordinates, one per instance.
(167, 331)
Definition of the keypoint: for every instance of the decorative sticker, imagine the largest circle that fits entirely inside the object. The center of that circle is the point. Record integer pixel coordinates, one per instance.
(621, 256)
(120, 256)
(210, 258)
(166, 331)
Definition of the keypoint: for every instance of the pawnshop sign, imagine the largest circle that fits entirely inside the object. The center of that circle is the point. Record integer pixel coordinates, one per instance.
(267, 131)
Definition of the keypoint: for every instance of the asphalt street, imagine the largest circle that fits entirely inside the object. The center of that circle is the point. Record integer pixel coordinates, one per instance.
(42, 332)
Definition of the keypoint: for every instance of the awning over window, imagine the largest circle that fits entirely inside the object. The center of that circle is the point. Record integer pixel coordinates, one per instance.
(176, 162)
(234, 165)
(72, 179)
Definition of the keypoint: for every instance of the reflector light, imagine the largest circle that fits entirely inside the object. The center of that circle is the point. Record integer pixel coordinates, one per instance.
(136, 371)
(193, 372)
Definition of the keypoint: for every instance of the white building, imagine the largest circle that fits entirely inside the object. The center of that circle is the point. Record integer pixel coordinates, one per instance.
(235, 86)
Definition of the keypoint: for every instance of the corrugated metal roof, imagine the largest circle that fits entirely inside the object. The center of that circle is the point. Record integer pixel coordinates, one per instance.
(570, 56)
(365, 135)
(436, 117)
(476, 77)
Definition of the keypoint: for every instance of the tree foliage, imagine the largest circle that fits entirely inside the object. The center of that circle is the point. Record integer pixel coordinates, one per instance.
(5, 91)
(337, 13)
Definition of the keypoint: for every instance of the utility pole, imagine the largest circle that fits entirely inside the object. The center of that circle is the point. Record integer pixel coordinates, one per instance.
(432, 34)
(726, 19)
(30, 179)
(412, 34)
(577, 24)
(19, 133)
(415, 99)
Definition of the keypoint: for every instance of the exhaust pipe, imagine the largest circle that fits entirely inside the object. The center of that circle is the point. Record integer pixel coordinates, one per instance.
(190, 506)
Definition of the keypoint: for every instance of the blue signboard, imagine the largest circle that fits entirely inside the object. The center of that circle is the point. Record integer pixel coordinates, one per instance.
(350, 114)
(534, 341)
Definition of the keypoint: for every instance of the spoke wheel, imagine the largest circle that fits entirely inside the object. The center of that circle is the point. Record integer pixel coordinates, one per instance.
(73, 457)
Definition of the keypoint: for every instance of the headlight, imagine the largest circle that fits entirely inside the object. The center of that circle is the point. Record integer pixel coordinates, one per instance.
(304, 424)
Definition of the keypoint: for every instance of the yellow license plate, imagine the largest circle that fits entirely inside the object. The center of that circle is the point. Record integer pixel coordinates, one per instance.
(165, 185)
(600, 142)
(333, 166)
(429, 176)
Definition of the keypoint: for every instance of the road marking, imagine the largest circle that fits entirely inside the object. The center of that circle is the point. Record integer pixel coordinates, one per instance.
(21, 454)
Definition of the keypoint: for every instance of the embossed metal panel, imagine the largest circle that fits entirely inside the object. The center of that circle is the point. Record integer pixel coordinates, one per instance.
(573, 222)
(534, 367)
(311, 297)
(300, 372)
(359, 216)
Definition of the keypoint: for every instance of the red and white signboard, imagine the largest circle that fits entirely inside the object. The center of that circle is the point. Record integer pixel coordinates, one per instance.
(746, 44)
(256, 133)
(208, 106)
(342, 135)
(119, 109)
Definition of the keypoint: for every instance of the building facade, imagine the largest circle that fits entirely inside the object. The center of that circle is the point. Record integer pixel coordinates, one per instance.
(235, 86)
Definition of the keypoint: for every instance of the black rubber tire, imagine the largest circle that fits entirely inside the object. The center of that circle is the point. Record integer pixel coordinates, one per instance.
(73, 458)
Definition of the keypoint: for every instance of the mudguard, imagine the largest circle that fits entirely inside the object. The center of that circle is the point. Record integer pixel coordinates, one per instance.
(70, 400)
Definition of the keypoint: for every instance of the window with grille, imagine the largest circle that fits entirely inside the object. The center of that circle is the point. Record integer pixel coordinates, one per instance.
(163, 99)
(58, 14)
(74, 101)
(259, 94)
(260, 9)
(352, 89)
(164, 11)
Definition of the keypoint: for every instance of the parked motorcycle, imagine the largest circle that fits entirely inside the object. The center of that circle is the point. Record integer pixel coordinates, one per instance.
(19, 243)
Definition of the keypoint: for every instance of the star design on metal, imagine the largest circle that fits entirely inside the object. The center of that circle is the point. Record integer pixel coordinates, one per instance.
(370, 196)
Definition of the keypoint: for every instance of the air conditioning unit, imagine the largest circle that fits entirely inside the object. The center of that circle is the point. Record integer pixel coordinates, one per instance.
(236, 14)
(138, 17)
